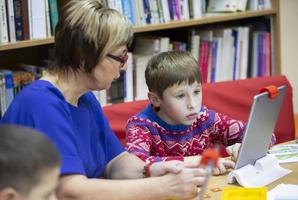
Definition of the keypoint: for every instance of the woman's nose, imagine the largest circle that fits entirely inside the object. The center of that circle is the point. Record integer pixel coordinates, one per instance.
(124, 67)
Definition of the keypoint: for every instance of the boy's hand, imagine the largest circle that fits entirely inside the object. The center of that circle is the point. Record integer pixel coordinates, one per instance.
(222, 166)
(162, 168)
(233, 151)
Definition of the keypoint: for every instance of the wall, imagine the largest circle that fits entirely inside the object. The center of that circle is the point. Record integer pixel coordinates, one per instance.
(289, 47)
(289, 44)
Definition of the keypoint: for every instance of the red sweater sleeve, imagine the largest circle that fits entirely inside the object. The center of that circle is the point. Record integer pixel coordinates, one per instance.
(227, 130)
(139, 141)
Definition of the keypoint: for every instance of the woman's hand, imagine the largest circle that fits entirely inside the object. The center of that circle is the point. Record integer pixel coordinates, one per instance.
(180, 179)
(233, 151)
(183, 185)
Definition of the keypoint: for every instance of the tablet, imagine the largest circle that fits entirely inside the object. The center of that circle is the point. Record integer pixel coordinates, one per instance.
(259, 128)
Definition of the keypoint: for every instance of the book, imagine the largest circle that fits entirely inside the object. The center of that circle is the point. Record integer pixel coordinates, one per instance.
(128, 79)
(127, 9)
(115, 94)
(11, 21)
(226, 5)
(184, 9)
(25, 19)
(140, 63)
(195, 46)
(19, 30)
(3, 23)
(2, 94)
(222, 6)
(8, 91)
(37, 19)
(196, 9)
(151, 45)
(166, 12)
(48, 20)
(53, 15)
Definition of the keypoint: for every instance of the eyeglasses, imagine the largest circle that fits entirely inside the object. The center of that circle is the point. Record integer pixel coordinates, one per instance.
(122, 59)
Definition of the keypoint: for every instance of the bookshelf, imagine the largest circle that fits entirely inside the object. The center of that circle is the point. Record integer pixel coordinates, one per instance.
(34, 51)
(26, 43)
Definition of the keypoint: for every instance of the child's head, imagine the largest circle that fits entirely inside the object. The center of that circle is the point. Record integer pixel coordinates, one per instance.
(174, 83)
(29, 164)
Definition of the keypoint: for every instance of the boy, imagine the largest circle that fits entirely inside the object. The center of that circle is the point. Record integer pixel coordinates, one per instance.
(29, 165)
(176, 126)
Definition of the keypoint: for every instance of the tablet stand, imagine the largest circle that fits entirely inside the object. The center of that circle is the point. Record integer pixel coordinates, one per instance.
(265, 171)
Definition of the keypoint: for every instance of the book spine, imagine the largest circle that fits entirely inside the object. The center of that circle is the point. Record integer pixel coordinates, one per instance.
(128, 11)
(17, 5)
(268, 55)
(38, 11)
(25, 19)
(254, 67)
(11, 21)
(48, 20)
(235, 35)
(172, 9)
(147, 11)
(53, 15)
(3, 23)
(260, 52)
(2, 95)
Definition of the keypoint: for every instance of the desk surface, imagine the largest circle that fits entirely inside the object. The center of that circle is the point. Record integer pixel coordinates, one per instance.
(220, 181)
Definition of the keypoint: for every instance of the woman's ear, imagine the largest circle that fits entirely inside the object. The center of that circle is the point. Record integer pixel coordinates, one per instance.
(9, 194)
(154, 99)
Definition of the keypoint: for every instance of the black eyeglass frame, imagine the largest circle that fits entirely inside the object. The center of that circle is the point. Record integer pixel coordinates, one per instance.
(122, 60)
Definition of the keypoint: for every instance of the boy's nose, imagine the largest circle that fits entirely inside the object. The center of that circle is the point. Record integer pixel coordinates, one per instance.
(53, 197)
(189, 107)
(191, 103)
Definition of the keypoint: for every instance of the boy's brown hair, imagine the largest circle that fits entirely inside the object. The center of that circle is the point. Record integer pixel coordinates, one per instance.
(25, 154)
(169, 68)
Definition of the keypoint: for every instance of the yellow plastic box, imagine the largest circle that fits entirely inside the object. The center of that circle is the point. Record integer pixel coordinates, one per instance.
(244, 193)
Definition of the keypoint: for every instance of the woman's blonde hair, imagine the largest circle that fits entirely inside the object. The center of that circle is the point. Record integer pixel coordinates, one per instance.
(86, 32)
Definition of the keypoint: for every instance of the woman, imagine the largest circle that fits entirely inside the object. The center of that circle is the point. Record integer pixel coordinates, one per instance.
(91, 50)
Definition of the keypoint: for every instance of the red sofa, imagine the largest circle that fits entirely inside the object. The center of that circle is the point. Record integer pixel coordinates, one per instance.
(233, 98)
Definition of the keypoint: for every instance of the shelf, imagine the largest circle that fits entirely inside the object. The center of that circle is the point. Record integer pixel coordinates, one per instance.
(26, 43)
(156, 27)
(205, 20)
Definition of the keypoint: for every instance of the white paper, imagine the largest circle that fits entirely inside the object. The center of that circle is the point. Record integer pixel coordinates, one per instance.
(283, 192)
(285, 153)
(265, 171)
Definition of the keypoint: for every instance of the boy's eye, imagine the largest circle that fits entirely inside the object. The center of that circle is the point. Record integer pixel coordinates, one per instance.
(180, 96)
(197, 91)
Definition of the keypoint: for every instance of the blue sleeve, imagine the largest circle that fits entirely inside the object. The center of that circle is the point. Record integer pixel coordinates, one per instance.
(111, 144)
(53, 119)
(82, 134)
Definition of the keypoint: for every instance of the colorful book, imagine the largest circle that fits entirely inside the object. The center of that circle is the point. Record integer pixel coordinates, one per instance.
(19, 31)
(53, 15)
(11, 21)
(3, 23)
(9, 94)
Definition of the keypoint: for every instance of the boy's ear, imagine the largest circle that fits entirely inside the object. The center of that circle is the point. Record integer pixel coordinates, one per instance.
(9, 194)
(154, 99)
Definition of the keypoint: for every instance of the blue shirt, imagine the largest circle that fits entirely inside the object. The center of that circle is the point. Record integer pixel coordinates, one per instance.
(82, 134)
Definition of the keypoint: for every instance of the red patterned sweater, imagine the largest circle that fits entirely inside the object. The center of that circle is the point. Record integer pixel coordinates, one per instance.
(152, 139)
